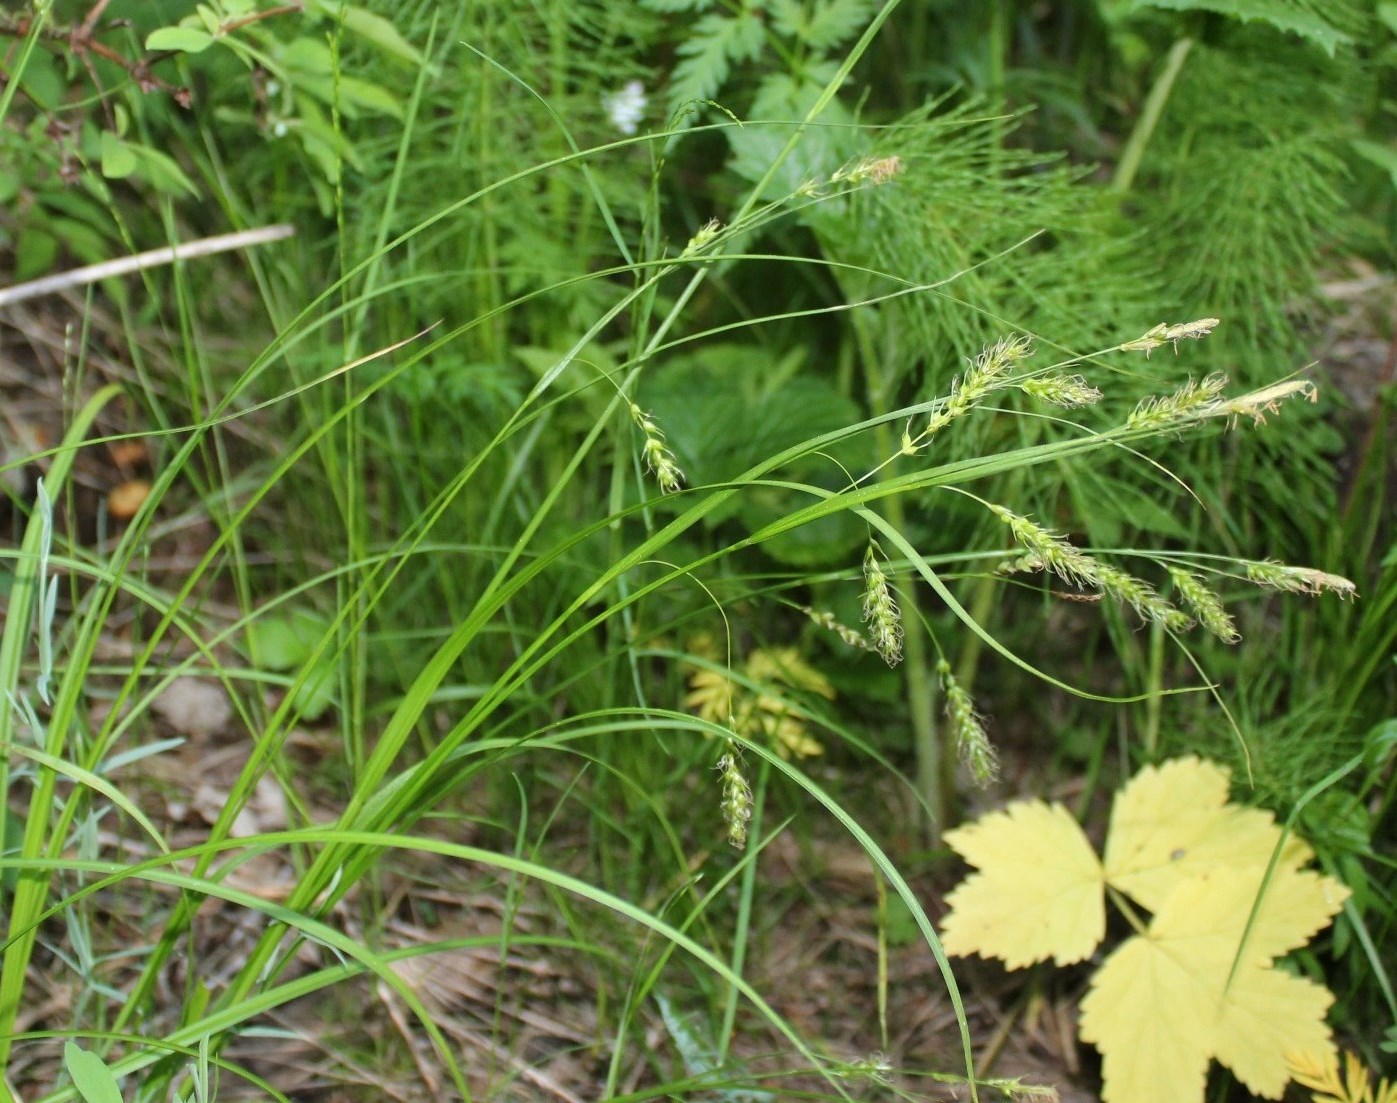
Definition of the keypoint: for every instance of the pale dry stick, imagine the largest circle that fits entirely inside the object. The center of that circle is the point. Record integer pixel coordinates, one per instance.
(168, 254)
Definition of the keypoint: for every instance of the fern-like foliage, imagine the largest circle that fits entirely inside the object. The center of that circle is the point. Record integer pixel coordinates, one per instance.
(717, 43)
(720, 42)
(1319, 22)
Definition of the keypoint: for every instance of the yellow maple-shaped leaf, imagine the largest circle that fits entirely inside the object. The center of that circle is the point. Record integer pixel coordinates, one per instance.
(1142, 1013)
(1213, 911)
(1172, 822)
(1199, 984)
(1038, 894)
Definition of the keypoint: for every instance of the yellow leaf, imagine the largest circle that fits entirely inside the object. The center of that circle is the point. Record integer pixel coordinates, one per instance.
(784, 664)
(1039, 892)
(1172, 822)
(1200, 985)
(710, 695)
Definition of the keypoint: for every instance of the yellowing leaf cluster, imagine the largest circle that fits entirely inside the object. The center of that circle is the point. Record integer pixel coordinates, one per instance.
(1228, 893)
(775, 716)
(1328, 1085)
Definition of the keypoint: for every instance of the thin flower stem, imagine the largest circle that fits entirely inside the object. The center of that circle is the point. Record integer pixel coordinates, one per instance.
(921, 686)
(1134, 152)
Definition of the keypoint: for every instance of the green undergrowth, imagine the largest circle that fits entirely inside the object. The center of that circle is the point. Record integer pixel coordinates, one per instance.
(603, 505)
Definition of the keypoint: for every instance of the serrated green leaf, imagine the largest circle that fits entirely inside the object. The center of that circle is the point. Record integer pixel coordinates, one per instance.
(1305, 18)
(836, 21)
(676, 5)
(716, 43)
(93, 1080)
(185, 40)
(788, 17)
(822, 149)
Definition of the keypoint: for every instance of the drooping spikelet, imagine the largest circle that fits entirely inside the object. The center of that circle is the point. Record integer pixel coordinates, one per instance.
(1140, 596)
(968, 729)
(737, 795)
(659, 460)
(880, 610)
(825, 619)
(1204, 604)
(1050, 551)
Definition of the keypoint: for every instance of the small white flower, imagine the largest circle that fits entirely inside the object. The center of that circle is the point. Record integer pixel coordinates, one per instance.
(626, 108)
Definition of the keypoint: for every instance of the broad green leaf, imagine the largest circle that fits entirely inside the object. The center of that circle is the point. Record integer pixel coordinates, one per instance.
(187, 40)
(118, 162)
(283, 642)
(163, 171)
(92, 1078)
(1038, 894)
(36, 250)
(314, 698)
(373, 29)
(780, 106)
(307, 57)
(1384, 156)
(43, 81)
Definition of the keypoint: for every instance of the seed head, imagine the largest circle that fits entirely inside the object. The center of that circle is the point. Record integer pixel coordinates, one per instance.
(1191, 402)
(1048, 551)
(659, 460)
(703, 237)
(1171, 334)
(1204, 604)
(737, 795)
(827, 620)
(968, 727)
(1257, 404)
(880, 611)
(984, 374)
(1298, 580)
(1140, 596)
(1070, 391)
